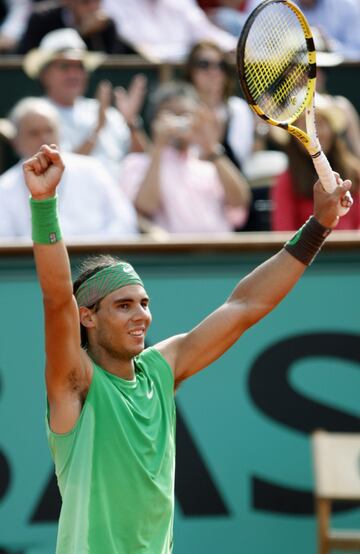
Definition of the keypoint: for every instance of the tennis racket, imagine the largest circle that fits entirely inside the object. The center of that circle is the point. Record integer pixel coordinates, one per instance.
(276, 62)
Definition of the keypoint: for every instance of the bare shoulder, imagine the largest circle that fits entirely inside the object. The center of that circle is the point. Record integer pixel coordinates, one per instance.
(169, 349)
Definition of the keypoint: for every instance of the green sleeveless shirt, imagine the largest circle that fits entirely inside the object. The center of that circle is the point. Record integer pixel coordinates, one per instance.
(115, 468)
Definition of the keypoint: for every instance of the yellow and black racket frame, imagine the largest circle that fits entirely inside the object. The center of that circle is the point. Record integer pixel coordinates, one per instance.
(311, 84)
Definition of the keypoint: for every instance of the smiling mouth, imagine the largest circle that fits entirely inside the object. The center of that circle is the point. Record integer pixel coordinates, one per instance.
(137, 334)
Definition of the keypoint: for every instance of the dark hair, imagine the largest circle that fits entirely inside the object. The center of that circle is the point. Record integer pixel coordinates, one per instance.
(192, 56)
(89, 267)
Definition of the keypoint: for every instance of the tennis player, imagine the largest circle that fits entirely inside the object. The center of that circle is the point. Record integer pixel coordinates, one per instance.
(111, 412)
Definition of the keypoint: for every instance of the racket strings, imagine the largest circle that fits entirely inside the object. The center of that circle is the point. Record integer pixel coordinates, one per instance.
(276, 63)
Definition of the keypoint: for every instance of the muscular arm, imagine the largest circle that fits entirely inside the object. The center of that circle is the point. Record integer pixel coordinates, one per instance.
(62, 334)
(67, 371)
(252, 299)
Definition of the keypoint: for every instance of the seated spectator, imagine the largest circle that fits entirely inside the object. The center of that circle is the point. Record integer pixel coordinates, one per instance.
(95, 26)
(291, 193)
(164, 30)
(171, 186)
(91, 205)
(339, 21)
(88, 126)
(15, 16)
(210, 71)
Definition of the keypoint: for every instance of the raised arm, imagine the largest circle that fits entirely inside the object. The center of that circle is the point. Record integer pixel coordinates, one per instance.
(257, 294)
(67, 374)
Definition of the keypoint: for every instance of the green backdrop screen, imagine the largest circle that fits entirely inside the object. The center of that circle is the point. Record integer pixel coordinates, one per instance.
(244, 472)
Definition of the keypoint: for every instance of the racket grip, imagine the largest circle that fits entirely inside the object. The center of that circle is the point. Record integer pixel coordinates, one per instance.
(327, 178)
(325, 173)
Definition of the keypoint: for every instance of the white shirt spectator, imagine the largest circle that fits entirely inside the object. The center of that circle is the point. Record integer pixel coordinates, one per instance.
(164, 30)
(77, 123)
(91, 206)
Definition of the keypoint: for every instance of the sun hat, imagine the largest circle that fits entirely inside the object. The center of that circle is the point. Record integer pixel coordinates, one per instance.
(66, 43)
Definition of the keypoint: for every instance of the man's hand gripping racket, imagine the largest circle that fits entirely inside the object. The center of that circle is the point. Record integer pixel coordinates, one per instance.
(276, 61)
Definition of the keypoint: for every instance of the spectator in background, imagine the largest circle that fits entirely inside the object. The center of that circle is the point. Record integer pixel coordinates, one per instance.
(292, 191)
(326, 57)
(89, 126)
(90, 202)
(15, 17)
(230, 15)
(210, 71)
(164, 30)
(339, 21)
(95, 26)
(173, 187)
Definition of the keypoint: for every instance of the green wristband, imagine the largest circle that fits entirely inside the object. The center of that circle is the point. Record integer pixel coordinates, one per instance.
(44, 219)
(307, 242)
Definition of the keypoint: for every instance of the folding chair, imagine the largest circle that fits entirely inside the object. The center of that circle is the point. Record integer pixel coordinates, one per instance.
(336, 458)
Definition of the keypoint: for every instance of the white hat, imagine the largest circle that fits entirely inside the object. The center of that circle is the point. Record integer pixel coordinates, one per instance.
(64, 42)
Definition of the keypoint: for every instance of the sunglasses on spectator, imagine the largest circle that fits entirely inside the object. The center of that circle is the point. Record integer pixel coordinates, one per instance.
(208, 64)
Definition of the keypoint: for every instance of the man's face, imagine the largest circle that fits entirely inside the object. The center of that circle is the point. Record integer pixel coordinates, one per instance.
(122, 321)
(64, 80)
(34, 130)
(177, 116)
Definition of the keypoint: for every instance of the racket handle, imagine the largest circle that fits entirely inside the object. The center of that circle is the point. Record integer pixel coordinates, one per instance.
(326, 176)
(325, 173)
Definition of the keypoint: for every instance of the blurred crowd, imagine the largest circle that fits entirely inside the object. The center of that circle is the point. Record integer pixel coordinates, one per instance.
(185, 156)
